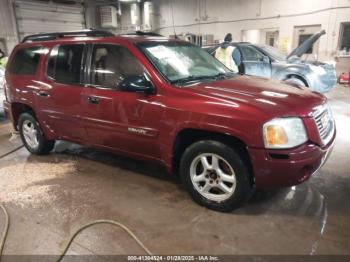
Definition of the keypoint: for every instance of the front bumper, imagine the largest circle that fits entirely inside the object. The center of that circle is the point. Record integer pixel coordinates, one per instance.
(323, 83)
(282, 168)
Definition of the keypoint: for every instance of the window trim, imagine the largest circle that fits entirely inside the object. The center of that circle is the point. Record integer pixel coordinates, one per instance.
(82, 67)
(14, 55)
(88, 78)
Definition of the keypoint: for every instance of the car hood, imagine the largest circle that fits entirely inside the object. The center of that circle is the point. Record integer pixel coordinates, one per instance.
(307, 44)
(266, 95)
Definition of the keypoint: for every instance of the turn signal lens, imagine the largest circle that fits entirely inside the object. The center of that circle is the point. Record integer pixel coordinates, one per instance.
(276, 136)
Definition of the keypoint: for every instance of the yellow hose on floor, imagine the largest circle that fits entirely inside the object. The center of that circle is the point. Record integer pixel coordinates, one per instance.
(110, 222)
(5, 231)
(76, 233)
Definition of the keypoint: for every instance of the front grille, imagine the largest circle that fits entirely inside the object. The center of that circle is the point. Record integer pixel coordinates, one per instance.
(325, 123)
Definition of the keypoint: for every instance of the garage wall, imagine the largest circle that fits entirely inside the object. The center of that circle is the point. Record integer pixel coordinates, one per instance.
(223, 16)
(8, 34)
(124, 20)
(37, 17)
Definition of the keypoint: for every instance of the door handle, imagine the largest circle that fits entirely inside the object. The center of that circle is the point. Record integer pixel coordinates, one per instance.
(93, 100)
(42, 93)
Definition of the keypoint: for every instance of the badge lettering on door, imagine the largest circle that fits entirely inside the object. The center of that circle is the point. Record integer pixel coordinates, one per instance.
(137, 131)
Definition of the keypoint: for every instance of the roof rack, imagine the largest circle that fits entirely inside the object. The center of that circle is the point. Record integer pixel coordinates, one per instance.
(53, 36)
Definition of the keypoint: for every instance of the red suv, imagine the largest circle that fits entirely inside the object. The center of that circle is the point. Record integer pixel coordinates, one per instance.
(171, 102)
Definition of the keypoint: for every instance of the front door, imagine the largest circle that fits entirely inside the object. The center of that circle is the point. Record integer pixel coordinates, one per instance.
(120, 119)
(255, 63)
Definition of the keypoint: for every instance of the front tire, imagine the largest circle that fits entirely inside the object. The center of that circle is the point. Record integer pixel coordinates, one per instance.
(32, 136)
(215, 175)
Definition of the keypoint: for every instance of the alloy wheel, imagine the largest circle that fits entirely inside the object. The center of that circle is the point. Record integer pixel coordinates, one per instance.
(213, 177)
(30, 133)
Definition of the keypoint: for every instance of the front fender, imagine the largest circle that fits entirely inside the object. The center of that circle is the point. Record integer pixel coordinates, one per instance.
(283, 72)
(167, 141)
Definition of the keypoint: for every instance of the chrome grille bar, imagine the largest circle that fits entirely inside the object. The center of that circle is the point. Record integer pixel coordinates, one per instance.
(324, 121)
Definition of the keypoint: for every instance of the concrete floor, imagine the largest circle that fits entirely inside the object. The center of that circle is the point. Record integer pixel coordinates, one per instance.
(49, 197)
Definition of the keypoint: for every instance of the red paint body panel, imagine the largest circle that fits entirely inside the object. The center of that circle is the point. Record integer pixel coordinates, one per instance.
(237, 107)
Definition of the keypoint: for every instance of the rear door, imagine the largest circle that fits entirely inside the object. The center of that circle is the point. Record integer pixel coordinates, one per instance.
(255, 63)
(59, 95)
(120, 119)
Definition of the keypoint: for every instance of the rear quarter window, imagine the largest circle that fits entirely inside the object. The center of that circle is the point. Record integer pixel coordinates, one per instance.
(25, 61)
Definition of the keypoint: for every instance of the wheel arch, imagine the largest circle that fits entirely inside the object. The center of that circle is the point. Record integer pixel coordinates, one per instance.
(298, 76)
(188, 136)
(17, 109)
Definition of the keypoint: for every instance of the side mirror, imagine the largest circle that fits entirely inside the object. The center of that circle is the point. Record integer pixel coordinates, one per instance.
(137, 83)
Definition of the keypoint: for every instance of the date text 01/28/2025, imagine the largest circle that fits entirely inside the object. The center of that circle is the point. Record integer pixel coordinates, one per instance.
(173, 258)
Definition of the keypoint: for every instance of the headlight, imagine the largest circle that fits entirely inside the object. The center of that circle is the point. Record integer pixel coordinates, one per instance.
(284, 133)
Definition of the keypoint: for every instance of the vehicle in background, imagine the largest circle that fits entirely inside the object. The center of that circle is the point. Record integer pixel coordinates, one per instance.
(2, 94)
(170, 102)
(267, 61)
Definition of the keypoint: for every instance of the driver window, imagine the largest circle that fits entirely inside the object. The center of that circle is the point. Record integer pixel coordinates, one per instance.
(111, 64)
(251, 54)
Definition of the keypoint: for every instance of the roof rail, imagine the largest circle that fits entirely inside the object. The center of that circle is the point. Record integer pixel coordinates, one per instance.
(53, 36)
(144, 33)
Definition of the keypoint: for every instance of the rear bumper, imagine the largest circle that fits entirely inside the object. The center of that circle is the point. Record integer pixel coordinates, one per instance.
(281, 168)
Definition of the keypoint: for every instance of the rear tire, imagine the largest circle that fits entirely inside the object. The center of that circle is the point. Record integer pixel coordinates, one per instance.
(215, 175)
(32, 136)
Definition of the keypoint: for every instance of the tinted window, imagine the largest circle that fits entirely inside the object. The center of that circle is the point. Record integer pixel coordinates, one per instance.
(111, 64)
(251, 54)
(25, 61)
(65, 63)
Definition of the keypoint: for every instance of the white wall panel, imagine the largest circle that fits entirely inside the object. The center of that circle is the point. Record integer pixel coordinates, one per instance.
(220, 17)
(38, 17)
(8, 33)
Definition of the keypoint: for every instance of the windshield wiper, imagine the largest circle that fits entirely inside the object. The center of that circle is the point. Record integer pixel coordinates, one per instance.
(224, 75)
(189, 79)
(220, 75)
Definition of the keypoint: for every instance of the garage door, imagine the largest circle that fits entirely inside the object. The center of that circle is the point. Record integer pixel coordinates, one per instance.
(38, 17)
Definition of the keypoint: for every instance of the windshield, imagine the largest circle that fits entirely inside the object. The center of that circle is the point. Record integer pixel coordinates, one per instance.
(179, 61)
(273, 52)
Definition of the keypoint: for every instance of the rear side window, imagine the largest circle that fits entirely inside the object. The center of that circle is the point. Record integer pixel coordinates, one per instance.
(25, 61)
(65, 64)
